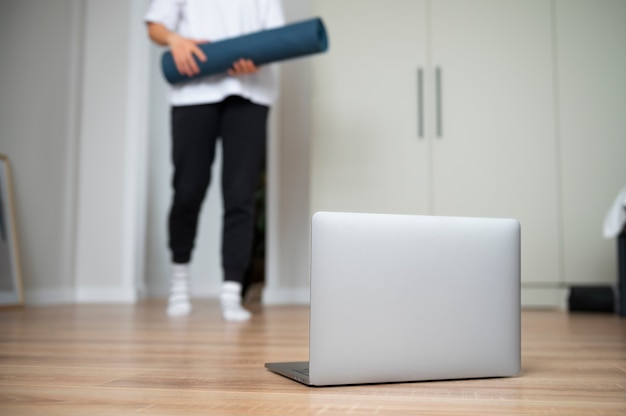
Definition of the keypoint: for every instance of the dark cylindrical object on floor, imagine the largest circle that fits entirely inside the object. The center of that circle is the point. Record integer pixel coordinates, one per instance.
(591, 299)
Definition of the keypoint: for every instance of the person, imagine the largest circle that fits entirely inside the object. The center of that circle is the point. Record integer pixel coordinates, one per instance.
(232, 107)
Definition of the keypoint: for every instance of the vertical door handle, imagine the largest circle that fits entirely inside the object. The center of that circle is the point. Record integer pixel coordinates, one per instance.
(439, 107)
(420, 103)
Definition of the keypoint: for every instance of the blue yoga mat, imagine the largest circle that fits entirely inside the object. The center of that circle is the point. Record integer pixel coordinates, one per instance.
(286, 42)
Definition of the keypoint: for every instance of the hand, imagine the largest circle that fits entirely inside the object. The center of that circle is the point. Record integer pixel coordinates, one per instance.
(183, 51)
(243, 67)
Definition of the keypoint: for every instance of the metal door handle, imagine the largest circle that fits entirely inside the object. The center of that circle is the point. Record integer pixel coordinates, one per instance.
(420, 103)
(438, 84)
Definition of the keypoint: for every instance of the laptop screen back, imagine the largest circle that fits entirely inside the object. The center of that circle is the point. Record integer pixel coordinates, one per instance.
(404, 298)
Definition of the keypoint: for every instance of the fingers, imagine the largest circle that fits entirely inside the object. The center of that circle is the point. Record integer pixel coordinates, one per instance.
(183, 52)
(186, 66)
(243, 67)
(198, 52)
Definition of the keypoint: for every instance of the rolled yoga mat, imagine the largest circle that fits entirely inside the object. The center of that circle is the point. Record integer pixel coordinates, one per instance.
(267, 46)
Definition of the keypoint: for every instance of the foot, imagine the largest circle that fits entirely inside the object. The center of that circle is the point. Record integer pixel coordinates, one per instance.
(178, 303)
(230, 301)
(254, 294)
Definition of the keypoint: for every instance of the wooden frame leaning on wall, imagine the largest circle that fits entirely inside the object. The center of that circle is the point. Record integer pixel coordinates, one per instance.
(11, 293)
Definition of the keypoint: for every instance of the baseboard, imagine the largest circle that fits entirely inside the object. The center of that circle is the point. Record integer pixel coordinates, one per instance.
(42, 297)
(270, 296)
(544, 297)
(532, 297)
(106, 294)
(286, 296)
(200, 291)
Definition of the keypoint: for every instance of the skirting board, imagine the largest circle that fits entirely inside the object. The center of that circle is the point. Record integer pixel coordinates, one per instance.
(531, 297)
(106, 294)
(286, 296)
(44, 297)
(549, 297)
(544, 297)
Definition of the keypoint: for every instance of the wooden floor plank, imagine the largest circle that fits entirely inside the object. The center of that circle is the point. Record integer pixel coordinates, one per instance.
(133, 359)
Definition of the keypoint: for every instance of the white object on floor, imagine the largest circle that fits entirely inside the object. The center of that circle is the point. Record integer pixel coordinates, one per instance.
(615, 219)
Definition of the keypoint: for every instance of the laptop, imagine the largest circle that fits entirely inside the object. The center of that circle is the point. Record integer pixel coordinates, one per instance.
(401, 298)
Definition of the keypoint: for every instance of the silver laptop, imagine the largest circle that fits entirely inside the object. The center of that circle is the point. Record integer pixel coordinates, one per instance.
(399, 298)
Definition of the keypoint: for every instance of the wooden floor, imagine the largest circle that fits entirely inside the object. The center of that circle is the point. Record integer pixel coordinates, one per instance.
(133, 360)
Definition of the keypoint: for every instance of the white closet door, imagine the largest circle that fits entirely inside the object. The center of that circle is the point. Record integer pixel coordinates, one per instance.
(591, 47)
(366, 151)
(495, 153)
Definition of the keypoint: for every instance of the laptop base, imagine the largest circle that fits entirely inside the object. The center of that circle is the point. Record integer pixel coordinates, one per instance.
(298, 371)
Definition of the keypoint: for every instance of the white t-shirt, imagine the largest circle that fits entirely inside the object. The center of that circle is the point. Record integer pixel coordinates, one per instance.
(213, 20)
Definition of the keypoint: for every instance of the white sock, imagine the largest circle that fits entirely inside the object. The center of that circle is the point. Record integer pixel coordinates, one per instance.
(230, 300)
(178, 303)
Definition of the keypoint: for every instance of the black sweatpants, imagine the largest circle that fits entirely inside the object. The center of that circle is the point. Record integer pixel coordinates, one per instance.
(241, 125)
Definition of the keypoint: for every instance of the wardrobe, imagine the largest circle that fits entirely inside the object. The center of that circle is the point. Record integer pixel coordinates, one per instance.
(505, 108)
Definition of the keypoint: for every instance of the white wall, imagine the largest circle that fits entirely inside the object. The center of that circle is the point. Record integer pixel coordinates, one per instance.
(39, 77)
(72, 118)
(110, 163)
(289, 206)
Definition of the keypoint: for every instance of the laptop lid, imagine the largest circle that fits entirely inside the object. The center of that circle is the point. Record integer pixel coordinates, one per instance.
(405, 298)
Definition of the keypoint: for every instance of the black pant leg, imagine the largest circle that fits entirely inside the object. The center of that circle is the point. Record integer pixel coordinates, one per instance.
(194, 134)
(244, 137)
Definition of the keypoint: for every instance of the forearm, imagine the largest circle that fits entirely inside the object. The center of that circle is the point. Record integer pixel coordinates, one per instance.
(160, 35)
